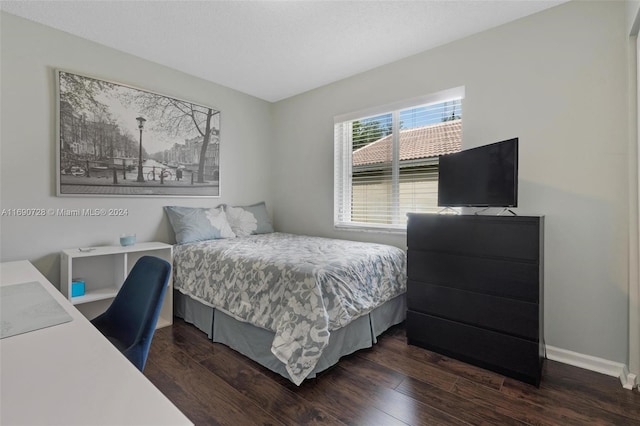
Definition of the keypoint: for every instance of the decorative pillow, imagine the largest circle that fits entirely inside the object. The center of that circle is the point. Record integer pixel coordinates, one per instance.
(218, 220)
(242, 222)
(192, 224)
(247, 220)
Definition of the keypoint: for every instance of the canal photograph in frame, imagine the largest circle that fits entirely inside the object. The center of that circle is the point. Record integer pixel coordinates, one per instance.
(117, 140)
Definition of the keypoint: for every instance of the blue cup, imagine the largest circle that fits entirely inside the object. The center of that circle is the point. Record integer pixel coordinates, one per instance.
(127, 239)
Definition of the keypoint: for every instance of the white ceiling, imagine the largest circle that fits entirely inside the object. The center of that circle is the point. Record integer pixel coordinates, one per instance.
(274, 49)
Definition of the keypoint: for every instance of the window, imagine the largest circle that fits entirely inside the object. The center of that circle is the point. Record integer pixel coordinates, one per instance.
(386, 159)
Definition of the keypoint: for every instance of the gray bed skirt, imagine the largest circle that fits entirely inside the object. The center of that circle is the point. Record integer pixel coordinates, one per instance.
(255, 342)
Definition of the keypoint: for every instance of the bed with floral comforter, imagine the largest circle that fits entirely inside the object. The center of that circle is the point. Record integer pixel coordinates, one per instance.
(299, 287)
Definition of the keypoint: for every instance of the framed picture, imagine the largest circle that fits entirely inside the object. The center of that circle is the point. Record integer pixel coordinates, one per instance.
(117, 140)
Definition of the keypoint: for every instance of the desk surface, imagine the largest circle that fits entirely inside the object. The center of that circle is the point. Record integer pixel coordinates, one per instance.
(70, 374)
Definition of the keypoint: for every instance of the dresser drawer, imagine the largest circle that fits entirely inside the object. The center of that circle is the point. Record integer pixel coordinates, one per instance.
(504, 354)
(495, 313)
(517, 280)
(514, 237)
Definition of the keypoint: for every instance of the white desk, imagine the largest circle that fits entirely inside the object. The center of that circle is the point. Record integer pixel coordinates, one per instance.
(70, 374)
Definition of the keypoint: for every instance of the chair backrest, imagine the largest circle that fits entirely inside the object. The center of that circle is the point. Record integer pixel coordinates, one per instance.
(134, 311)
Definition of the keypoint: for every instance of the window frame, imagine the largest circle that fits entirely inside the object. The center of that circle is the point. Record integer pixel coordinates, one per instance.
(343, 166)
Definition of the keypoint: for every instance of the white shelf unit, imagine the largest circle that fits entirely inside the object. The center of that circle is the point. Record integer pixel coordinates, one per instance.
(104, 270)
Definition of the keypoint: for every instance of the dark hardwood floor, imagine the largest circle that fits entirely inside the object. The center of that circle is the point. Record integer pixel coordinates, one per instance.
(390, 384)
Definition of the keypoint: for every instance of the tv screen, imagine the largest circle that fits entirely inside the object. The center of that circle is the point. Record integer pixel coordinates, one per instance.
(486, 176)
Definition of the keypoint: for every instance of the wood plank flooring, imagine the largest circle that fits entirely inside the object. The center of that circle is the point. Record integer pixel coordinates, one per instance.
(390, 384)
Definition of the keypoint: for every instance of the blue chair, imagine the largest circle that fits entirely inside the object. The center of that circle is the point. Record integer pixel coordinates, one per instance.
(131, 319)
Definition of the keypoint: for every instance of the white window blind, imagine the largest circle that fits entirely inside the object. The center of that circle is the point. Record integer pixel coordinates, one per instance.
(386, 159)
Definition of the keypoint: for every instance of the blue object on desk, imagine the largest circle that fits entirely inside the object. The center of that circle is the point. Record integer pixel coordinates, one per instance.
(127, 240)
(77, 288)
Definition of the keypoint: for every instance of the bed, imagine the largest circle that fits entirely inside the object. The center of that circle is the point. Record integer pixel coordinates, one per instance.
(294, 304)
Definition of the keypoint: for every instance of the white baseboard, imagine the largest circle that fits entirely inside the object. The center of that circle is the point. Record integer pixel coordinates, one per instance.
(628, 379)
(599, 365)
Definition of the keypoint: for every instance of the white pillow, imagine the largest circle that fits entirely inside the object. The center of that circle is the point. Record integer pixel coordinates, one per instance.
(219, 221)
(242, 222)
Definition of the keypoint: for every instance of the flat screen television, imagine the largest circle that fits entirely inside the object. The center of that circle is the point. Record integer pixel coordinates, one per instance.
(486, 176)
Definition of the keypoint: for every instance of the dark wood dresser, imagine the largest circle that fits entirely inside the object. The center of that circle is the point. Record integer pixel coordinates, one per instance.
(475, 290)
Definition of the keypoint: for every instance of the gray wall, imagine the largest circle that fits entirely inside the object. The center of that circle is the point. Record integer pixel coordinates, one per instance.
(558, 81)
(30, 54)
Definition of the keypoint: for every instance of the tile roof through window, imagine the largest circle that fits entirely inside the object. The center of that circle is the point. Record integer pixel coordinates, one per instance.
(416, 143)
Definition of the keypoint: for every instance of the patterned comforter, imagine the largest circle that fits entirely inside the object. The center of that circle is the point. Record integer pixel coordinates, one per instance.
(299, 287)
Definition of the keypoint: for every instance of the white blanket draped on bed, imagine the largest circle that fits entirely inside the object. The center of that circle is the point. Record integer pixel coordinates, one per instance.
(299, 287)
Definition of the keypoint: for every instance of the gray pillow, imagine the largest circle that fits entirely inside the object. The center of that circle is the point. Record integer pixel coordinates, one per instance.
(191, 224)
